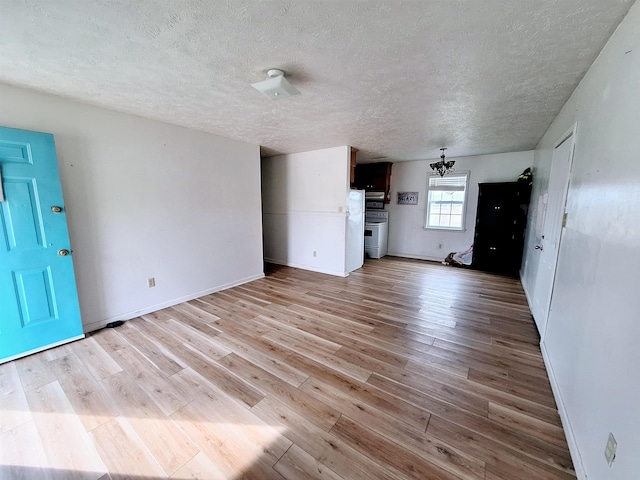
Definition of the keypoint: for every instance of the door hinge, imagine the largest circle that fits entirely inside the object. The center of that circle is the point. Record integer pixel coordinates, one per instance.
(564, 220)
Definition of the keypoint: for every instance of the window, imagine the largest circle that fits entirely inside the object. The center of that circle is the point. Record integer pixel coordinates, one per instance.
(446, 201)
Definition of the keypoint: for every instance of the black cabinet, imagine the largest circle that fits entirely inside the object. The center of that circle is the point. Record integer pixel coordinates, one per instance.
(501, 220)
(374, 177)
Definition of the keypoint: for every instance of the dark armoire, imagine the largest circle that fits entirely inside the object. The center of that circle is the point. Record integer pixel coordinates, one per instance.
(500, 224)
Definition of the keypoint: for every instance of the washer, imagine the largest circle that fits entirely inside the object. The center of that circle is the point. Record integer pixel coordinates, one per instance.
(376, 233)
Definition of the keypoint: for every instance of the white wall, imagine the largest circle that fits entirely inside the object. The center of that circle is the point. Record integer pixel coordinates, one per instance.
(407, 235)
(147, 199)
(591, 341)
(304, 204)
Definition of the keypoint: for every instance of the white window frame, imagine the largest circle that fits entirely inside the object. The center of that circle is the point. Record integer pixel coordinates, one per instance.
(432, 188)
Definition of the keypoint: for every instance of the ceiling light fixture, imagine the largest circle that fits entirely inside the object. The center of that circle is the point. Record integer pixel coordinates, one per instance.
(443, 167)
(276, 86)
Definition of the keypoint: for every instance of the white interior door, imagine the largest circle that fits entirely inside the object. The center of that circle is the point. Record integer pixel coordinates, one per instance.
(549, 245)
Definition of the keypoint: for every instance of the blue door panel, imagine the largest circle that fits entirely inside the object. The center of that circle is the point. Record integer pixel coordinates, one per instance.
(23, 221)
(36, 296)
(15, 152)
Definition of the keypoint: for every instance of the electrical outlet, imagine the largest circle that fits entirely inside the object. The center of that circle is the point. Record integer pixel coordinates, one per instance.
(610, 449)
(151, 282)
(314, 253)
(439, 246)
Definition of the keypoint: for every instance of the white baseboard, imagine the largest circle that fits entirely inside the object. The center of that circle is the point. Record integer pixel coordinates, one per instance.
(335, 273)
(90, 327)
(527, 295)
(557, 395)
(578, 465)
(416, 257)
(526, 292)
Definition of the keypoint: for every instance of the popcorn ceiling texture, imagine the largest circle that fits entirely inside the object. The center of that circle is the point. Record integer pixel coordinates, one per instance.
(397, 79)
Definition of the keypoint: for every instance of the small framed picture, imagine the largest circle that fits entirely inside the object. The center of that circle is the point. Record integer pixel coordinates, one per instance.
(407, 198)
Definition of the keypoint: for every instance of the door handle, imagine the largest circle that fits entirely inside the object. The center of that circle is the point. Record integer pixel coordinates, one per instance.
(63, 253)
(56, 209)
(538, 247)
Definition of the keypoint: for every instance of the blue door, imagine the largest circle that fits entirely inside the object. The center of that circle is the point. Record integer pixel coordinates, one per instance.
(38, 297)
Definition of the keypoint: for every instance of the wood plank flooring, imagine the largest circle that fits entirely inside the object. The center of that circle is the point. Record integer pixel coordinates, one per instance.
(404, 370)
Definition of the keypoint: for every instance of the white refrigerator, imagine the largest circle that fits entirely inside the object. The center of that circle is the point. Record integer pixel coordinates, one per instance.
(355, 230)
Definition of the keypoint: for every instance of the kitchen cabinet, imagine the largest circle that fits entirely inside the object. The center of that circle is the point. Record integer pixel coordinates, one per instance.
(374, 177)
(352, 167)
(500, 225)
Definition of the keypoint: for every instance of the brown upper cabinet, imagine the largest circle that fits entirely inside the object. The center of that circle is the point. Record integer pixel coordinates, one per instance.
(352, 170)
(374, 177)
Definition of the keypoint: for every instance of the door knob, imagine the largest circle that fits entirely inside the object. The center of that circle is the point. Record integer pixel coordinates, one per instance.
(56, 209)
(538, 247)
(63, 253)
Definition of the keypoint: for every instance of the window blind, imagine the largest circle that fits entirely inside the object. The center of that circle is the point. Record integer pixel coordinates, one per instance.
(450, 183)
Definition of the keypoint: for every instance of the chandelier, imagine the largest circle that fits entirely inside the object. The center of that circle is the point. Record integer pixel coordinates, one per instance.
(442, 167)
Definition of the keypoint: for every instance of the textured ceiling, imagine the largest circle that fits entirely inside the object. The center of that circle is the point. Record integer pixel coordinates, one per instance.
(396, 79)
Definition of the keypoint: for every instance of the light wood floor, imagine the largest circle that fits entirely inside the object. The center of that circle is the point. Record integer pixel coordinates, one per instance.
(405, 369)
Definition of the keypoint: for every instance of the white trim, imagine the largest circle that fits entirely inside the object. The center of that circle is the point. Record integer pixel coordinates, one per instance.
(463, 227)
(309, 214)
(578, 464)
(90, 327)
(40, 349)
(526, 293)
(569, 133)
(416, 257)
(448, 229)
(335, 273)
(562, 411)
